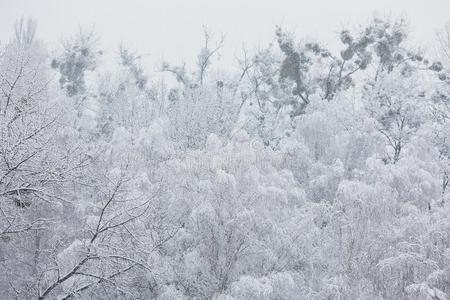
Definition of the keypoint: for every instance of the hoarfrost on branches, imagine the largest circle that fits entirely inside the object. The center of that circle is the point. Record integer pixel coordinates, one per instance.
(306, 173)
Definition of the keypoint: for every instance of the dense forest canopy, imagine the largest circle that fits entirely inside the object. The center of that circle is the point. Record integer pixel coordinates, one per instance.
(307, 173)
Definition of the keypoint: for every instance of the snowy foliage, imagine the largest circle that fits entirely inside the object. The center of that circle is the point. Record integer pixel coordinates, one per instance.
(308, 173)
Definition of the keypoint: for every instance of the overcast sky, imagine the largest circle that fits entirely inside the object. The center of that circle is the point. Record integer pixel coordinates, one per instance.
(172, 29)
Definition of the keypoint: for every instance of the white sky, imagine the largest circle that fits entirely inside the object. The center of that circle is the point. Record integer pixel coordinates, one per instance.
(172, 29)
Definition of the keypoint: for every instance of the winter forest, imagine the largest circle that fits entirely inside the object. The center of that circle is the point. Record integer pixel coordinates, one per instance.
(305, 172)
